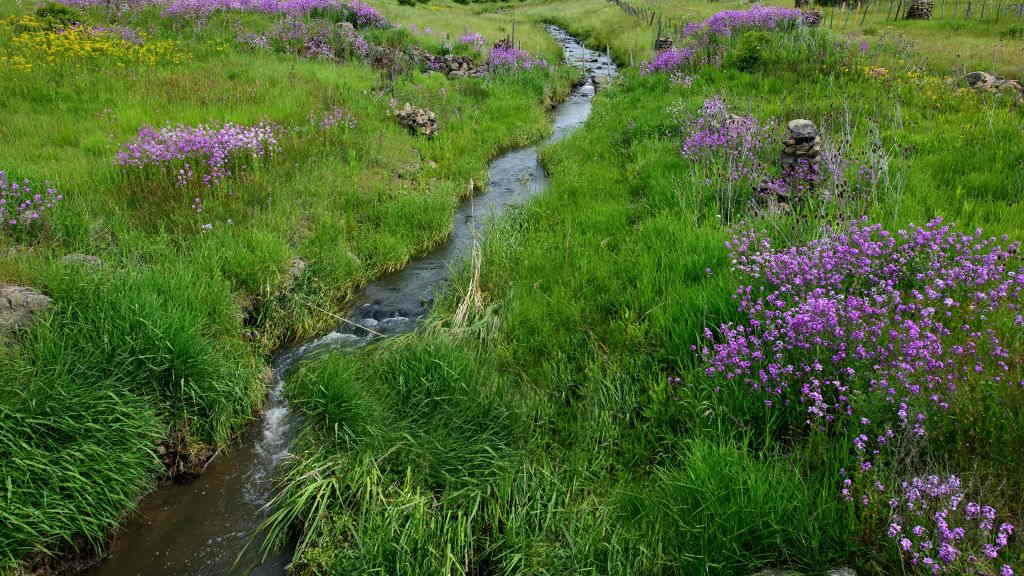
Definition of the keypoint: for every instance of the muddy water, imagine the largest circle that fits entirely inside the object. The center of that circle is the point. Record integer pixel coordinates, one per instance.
(203, 528)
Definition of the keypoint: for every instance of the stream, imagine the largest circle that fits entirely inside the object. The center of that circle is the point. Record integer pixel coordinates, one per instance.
(201, 528)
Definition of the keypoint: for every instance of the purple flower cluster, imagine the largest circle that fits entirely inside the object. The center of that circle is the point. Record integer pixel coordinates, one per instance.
(366, 16)
(20, 206)
(901, 318)
(727, 22)
(504, 55)
(700, 40)
(474, 39)
(937, 530)
(669, 60)
(715, 131)
(187, 147)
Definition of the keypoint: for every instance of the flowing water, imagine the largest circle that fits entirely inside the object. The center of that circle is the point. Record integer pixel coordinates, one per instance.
(202, 528)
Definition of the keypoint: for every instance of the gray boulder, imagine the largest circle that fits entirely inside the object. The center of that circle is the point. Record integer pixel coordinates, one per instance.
(18, 304)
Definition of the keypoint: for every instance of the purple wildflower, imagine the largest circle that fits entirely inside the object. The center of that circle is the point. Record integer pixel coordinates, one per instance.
(21, 206)
(185, 146)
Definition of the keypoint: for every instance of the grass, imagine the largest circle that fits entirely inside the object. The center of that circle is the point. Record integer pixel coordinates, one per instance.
(167, 338)
(545, 432)
(542, 431)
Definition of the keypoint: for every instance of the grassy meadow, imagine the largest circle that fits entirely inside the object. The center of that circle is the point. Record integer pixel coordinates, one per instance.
(568, 424)
(565, 421)
(167, 336)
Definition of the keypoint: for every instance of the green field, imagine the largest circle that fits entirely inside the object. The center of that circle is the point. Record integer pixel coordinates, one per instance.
(565, 421)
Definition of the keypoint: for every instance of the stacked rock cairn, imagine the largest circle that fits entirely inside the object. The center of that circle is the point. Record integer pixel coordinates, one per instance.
(920, 10)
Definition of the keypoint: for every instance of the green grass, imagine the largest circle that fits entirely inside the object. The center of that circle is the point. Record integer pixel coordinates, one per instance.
(167, 339)
(542, 434)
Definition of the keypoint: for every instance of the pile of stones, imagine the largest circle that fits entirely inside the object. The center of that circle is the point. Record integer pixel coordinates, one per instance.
(802, 143)
(417, 120)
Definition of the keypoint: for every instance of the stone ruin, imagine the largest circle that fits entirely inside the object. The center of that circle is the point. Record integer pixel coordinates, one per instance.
(417, 120)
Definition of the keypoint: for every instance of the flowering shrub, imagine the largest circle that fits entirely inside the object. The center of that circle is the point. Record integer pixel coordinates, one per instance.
(870, 317)
(186, 150)
(473, 39)
(20, 206)
(504, 55)
(936, 530)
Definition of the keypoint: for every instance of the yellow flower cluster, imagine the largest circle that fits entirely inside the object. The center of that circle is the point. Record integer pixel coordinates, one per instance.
(30, 44)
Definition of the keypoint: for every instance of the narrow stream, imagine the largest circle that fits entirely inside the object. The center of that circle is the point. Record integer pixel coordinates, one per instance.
(200, 529)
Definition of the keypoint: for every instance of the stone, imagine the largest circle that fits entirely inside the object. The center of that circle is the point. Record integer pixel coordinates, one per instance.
(663, 43)
(777, 572)
(986, 82)
(981, 80)
(393, 324)
(18, 306)
(841, 572)
(802, 130)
